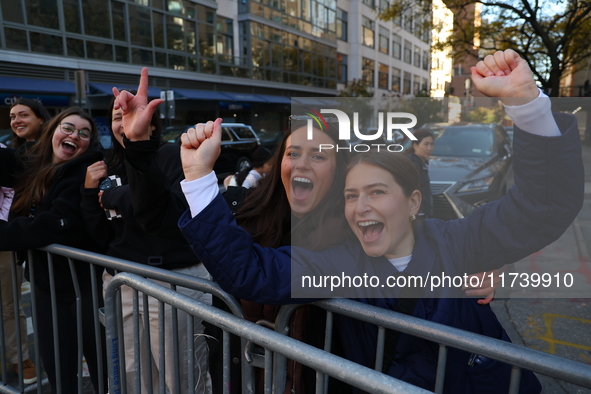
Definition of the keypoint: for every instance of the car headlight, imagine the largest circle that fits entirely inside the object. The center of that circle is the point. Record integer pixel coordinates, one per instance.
(476, 185)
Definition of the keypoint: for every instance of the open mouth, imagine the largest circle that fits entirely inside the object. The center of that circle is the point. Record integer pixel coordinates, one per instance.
(69, 147)
(302, 187)
(370, 230)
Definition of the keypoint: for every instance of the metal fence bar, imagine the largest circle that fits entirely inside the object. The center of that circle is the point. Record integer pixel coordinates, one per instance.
(167, 276)
(522, 357)
(147, 342)
(97, 328)
(344, 370)
(162, 347)
(34, 317)
(136, 342)
(327, 347)
(79, 332)
(175, 347)
(54, 318)
(16, 290)
(441, 365)
(191, 345)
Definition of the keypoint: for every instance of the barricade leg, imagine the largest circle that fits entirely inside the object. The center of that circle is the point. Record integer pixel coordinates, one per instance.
(201, 377)
(11, 307)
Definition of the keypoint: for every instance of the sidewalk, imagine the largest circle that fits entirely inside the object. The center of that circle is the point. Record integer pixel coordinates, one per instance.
(560, 326)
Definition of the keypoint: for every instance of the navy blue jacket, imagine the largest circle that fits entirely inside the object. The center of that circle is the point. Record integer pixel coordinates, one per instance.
(547, 196)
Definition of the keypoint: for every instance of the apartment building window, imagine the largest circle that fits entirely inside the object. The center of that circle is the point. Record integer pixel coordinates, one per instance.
(382, 76)
(368, 32)
(383, 40)
(384, 5)
(225, 39)
(426, 60)
(396, 46)
(396, 76)
(370, 3)
(342, 24)
(367, 71)
(425, 85)
(407, 52)
(406, 83)
(417, 57)
(343, 67)
(416, 85)
(408, 22)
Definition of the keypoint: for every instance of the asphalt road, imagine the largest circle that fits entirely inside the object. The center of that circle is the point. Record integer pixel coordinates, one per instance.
(558, 325)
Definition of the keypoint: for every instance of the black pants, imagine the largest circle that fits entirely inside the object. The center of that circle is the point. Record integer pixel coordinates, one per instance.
(67, 341)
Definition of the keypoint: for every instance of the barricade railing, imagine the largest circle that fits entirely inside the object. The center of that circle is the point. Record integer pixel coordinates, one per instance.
(274, 361)
(74, 257)
(347, 371)
(519, 357)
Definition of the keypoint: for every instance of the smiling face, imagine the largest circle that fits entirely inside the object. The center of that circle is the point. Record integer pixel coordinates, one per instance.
(307, 174)
(117, 125)
(424, 148)
(378, 211)
(66, 147)
(24, 122)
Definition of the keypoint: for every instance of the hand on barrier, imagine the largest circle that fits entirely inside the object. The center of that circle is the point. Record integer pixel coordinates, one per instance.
(488, 283)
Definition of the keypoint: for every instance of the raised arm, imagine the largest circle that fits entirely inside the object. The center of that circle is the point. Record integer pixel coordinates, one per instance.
(549, 182)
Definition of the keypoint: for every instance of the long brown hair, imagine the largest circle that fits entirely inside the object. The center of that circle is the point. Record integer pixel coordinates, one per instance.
(40, 171)
(39, 111)
(266, 212)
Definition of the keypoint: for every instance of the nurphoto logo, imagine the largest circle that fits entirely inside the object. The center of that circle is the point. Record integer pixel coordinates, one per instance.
(392, 120)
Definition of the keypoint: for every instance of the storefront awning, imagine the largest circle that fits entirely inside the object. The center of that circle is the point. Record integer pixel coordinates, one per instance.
(201, 94)
(107, 88)
(17, 84)
(275, 99)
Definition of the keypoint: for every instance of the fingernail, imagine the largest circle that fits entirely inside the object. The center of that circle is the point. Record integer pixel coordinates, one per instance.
(507, 72)
(490, 74)
(500, 73)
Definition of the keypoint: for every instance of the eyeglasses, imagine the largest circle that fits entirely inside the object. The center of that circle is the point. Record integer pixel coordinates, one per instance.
(69, 129)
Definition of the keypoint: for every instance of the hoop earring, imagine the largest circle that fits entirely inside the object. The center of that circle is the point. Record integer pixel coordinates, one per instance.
(413, 218)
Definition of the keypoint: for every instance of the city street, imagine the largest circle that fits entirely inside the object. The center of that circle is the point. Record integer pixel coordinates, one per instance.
(559, 326)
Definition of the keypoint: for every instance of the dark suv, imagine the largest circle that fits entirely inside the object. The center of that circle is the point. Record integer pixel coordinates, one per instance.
(238, 143)
(471, 164)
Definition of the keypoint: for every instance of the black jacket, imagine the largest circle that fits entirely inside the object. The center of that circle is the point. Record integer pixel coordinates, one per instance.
(157, 241)
(56, 219)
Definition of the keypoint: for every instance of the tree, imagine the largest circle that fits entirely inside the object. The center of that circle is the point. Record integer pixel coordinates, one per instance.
(355, 88)
(551, 35)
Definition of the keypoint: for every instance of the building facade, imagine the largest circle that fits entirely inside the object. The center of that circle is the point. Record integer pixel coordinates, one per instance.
(239, 60)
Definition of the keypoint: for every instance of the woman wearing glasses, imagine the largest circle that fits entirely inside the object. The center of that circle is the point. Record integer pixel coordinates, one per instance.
(46, 178)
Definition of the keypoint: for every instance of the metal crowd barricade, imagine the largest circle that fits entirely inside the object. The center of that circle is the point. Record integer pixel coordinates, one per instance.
(518, 356)
(75, 256)
(8, 384)
(273, 342)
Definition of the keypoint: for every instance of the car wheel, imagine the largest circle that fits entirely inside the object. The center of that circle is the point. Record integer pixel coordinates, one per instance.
(242, 163)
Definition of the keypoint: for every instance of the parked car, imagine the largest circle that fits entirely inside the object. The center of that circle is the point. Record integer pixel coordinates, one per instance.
(6, 136)
(238, 143)
(270, 139)
(509, 130)
(471, 165)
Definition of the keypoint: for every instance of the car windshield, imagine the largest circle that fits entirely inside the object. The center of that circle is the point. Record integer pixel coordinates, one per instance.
(464, 141)
(243, 132)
